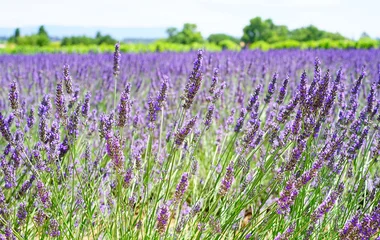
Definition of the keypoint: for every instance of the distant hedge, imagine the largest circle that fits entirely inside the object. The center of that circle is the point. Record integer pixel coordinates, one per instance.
(164, 46)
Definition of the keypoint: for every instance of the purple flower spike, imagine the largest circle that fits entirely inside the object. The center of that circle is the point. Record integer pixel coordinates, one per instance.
(162, 219)
(194, 82)
(181, 187)
(13, 96)
(227, 180)
(116, 60)
(67, 79)
(184, 131)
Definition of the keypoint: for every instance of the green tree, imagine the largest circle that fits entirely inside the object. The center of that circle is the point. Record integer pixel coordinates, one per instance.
(15, 37)
(42, 31)
(17, 33)
(42, 37)
(219, 37)
(312, 33)
(364, 35)
(259, 30)
(84, 40)
(188, 35)
(98, 35)
(172, 32)
(106, 39)
(229, 45)
(42, 40)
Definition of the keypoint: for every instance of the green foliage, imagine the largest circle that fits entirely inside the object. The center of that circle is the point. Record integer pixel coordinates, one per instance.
(266, 30)
(42, 31)
(287, 44)
(33, 40)
(367, 43)
(106, 39)
(312, 33)
(219, 37)
(158, 46)
(188, 35)
(259, 34)
(25, 47)
(319, 44)
(260, 45)
(84, 40)
(346, 44)
(15, 36)
(229, 45)
(259, 30)
(17, 33)
(39, 39)
(77, 40)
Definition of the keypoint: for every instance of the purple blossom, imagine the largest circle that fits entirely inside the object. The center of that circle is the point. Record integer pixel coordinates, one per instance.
(14, 96)
(282, 92)
(116, 60)
(194, 82)
(181, 187)
(30, 120)
(209, 115)
(67, 79)
(21, 213)
(54, 228)
(271, 88)
(86, 104)
(43, 194)
(184, 131)
(296, 127)
(128, 177)
(124, 107)
(227, 180)
(240, 120)
(302, 87)
(60, 104)
(45, 106)
(327, 204)
(162, 219)
(214, 81)
(253, 99)
(4, 129)
(286, 235)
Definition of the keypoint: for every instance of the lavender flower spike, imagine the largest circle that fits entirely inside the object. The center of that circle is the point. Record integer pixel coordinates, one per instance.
(194, 82)
(67, 79)
(181, 187)
(86, 104)
(282, 93)
(54, 228)
(116, 60)
(227, 180)
(4, 129)
(124, 107)
(327, 204)
(184, 131)
(214, 81)
(13, 96)
(162, 219)
(208, 118)
(271, 88)
(286, 235)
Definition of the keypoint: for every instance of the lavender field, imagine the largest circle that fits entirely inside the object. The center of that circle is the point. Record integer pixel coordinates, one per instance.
(281, 144)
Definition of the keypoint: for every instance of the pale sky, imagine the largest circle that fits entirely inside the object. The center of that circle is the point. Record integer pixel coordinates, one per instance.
(349, 17)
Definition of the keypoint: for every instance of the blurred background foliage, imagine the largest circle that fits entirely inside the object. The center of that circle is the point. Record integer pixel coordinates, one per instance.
(258, 34)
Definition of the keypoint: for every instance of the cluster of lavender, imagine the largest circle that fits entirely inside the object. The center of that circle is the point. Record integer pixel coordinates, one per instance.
(250, 145)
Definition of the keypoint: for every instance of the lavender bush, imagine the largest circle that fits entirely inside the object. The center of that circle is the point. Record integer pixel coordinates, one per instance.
(233, 145)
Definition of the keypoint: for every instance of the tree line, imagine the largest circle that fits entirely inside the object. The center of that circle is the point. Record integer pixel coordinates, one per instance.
(41, 38)
(259, 33)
